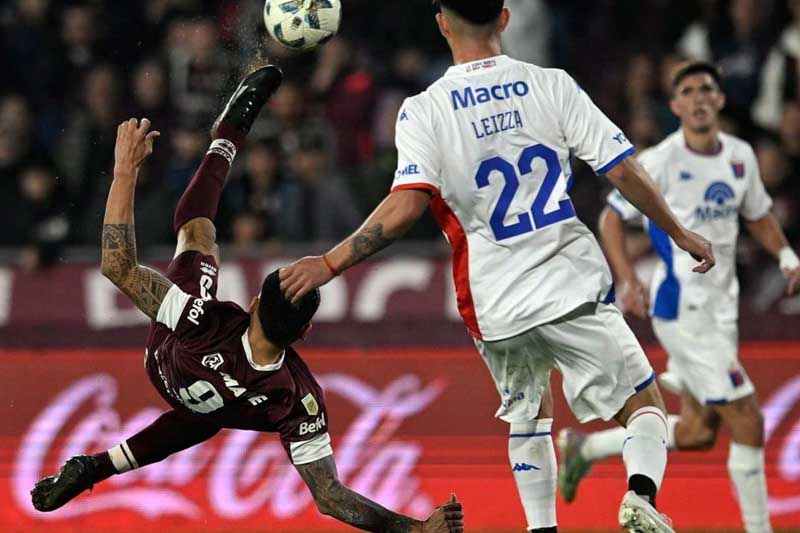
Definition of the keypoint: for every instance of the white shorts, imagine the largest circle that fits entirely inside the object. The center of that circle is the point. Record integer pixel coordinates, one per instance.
(704, 354)
(601, 362)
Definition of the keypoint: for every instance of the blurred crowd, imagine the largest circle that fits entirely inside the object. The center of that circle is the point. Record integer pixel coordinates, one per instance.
(323, 155)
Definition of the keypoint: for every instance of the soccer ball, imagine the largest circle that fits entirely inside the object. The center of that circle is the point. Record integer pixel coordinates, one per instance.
(302, 24)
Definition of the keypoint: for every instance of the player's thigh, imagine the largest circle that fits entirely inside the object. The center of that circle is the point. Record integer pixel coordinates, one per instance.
(703, 353)
(521, 370)
(602, 362)
(744, 420)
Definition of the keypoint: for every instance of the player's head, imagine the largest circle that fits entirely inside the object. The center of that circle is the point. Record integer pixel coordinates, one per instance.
(281, 321)
(471, 19)
(697, 97)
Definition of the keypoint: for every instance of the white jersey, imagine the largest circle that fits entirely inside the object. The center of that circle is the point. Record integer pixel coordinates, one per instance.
(707, 193)
(492, 141)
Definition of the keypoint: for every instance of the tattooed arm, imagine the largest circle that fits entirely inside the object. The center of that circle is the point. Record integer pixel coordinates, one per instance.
(390, 221)
(337, 501)
(144, 286)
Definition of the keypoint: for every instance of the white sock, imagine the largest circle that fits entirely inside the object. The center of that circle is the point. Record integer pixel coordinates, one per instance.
(746, 468)
(533, 463)
(122, 458)
(608, 443)
(645, 448)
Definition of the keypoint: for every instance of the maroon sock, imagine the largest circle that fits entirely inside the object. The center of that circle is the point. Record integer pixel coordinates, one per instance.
(201, 197)
(106, 467)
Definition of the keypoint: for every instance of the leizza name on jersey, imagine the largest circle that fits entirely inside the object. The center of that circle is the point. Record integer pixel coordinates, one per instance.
(469, 97)
(488, 126)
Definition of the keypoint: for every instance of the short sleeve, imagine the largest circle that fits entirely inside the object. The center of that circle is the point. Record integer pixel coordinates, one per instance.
(757, 202)
(588, 132)
(172, 306)
(418, 158)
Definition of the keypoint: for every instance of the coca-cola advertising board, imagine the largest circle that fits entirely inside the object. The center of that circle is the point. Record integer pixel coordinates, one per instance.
(408, 425)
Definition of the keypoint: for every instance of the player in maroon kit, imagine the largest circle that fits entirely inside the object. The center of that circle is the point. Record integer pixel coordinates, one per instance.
(216, 364)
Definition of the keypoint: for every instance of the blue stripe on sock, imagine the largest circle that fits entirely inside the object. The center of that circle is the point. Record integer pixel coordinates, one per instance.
(542, 434)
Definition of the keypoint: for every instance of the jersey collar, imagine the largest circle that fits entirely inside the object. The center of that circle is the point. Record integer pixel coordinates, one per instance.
(480, 66)
(261, 368)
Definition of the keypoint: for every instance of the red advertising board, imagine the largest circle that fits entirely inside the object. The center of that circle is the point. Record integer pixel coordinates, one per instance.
(408, 427)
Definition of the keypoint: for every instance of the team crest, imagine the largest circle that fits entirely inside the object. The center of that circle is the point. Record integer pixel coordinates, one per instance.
(738, 169)
(311, 405)
(213, 361)
(737, 378)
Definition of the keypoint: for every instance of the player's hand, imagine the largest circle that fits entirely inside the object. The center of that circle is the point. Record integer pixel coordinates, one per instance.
(699, 248)
(303, 276)
(635, 298)
(793, 281)
(134, 145)
(448, 518)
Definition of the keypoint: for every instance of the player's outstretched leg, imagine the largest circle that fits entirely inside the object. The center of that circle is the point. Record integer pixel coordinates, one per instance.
(201, 198)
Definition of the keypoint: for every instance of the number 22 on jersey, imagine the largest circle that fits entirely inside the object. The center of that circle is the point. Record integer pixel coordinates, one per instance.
(537, 218)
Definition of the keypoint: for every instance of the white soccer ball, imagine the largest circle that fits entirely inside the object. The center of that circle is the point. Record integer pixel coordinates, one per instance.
(302, 24)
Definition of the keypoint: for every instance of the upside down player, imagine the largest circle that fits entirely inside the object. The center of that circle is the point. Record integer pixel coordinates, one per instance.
(488, 147)
(217, 365)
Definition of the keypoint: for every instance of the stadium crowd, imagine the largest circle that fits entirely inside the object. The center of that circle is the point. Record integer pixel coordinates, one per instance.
(323, 155)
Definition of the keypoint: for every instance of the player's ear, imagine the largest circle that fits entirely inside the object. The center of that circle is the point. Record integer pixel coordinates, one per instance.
(673, 106)
(305, 331)
(443, 27)
(253, 305)
(721, 100)
(505, 17)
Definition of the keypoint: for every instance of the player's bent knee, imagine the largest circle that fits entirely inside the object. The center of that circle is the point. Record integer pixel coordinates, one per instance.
(199, 234)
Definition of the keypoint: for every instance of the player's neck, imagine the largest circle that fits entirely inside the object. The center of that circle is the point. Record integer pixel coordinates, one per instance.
(264, 352)
(469, 50)
(705, 143)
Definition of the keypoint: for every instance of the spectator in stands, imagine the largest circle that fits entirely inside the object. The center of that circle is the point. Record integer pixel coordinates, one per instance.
(79, 47)
(38, 217)
(783, 189)
(780, 79)
(790, 135)
(318, 205)
(258, 191)
(738, 43)
(348, 94)
(527, 37)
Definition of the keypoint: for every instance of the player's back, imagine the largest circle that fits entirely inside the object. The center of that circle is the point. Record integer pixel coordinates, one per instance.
(493, 140)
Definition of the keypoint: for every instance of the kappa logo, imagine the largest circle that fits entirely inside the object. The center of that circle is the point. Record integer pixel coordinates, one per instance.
(310, 403)
(213, 361)
(524, 467)
(404, 116)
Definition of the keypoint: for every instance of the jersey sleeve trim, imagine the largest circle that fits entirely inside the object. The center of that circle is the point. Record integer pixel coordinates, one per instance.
(416, 186)
(308, 451)
(172, 306)
(616, 161)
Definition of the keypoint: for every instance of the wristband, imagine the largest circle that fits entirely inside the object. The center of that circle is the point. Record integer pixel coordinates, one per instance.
(330, 266)
(788, 259)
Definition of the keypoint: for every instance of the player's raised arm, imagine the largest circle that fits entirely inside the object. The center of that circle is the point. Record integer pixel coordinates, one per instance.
(145, 287)
(337, 501)
(390, 221)
(632, 181)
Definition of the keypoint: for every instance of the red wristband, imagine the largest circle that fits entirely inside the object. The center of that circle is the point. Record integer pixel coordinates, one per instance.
(330, 266)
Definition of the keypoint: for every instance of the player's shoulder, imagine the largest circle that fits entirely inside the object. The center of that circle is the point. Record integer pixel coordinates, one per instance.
(739, 147)
(662, 152)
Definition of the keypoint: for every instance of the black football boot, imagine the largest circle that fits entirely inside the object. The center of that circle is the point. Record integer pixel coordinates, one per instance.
(78, 474)
(251, 95)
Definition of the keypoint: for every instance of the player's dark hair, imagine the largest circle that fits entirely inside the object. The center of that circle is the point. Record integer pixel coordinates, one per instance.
(478, 12)
(695, 67)
(281, 320)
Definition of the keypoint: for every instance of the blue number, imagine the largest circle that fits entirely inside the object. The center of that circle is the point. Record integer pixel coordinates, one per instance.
(540, 218)
(501, 231)
(565, 209)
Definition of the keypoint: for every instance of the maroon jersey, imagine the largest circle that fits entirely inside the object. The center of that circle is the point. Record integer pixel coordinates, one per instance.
(198, 357)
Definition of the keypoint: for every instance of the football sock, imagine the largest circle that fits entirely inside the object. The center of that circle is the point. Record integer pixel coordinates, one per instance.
(608, 443)
(201, 197)
(746, 468)
(644, 451)
(170, 433)
(533, 464)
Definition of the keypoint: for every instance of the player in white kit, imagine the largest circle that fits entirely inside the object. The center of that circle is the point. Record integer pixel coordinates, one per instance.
(488, 147)
(709, 179)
